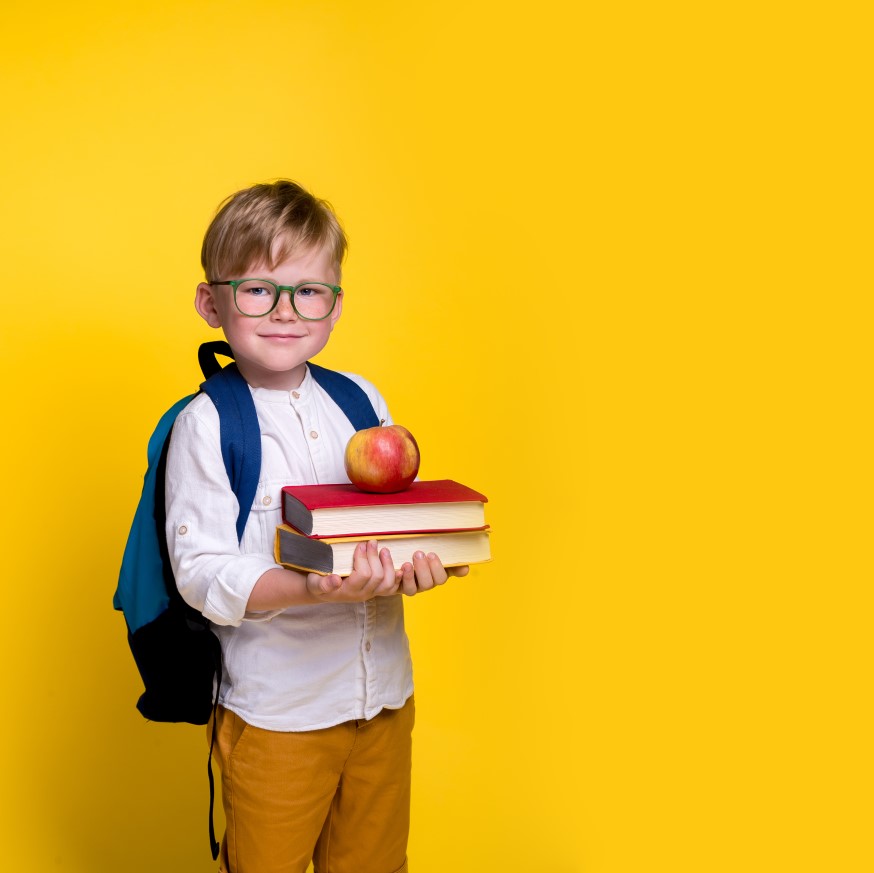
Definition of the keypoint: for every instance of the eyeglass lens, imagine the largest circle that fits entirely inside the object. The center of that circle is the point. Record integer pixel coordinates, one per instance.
(256, 297)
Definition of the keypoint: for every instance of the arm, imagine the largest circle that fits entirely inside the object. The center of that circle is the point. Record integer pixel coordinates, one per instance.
(211, 571)
(373, 575)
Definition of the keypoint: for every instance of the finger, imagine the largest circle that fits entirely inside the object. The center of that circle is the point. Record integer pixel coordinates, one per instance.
(435, 567)
(375, 566)
(408, 579)
(422, 566)
(458, 571)
(366, 570)
(438, 572)
(318, 584)
(360, 566)
(389, 582)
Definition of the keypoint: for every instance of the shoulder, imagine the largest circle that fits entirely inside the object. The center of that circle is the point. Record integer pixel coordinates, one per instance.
(198, 422)
(368, 387)
(373, 395)
(202, 409)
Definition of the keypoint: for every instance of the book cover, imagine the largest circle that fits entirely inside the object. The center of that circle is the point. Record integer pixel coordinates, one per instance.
(343, 509)
(334, 555)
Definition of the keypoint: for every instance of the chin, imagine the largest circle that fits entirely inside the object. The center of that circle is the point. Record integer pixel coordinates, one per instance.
(280, 375)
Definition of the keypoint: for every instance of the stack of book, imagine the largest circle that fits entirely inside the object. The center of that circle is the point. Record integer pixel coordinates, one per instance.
(322, 524)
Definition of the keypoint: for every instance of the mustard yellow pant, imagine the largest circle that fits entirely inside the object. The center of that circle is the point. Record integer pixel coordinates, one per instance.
(339, 796)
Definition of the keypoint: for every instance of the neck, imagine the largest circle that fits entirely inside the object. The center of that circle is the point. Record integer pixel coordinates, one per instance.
(285, 380)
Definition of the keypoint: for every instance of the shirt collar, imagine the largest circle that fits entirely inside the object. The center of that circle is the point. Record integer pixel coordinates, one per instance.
(271, 395)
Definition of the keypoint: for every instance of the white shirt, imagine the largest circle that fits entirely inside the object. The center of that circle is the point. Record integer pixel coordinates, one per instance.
(305, 667)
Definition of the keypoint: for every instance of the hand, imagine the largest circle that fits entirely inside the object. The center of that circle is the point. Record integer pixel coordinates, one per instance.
(373, 575)
(425, 573)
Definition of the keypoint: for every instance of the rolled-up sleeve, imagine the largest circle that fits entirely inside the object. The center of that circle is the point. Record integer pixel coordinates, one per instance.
(212, 573)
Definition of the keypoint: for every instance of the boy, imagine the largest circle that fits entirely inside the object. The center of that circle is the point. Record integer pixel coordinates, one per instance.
(315, 705)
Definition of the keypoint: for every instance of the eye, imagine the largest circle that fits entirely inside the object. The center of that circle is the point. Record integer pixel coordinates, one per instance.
(255, 289)
(308, 292)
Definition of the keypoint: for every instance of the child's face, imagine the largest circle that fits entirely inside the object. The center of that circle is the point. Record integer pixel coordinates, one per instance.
(271, 351)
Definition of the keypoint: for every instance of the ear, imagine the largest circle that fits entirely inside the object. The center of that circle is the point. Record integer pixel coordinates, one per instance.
(338, 310)
(206, 305)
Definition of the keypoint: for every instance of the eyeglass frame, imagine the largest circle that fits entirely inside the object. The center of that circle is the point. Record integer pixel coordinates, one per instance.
(235, 283)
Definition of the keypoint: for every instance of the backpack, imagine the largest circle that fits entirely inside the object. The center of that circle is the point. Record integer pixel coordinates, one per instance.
(177, 654)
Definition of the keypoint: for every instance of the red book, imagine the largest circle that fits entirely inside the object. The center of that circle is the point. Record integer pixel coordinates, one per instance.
(345, 511)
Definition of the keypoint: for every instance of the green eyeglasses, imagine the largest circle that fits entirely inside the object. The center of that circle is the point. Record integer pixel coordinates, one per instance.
(311, 301)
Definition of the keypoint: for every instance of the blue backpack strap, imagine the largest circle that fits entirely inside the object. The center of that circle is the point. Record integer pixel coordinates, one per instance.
(240, 436)
(137, 595)
(140, 594)
(348, 395)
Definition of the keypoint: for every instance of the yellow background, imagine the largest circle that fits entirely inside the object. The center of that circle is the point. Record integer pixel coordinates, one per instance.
(612, 267)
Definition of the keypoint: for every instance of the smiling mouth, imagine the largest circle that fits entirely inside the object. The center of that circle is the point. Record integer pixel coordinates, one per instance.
(282, 336)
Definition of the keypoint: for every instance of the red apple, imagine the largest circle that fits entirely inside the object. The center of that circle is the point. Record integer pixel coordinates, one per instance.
(382, 459)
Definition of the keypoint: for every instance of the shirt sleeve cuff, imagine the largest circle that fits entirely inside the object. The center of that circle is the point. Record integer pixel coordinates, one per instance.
(231, 588)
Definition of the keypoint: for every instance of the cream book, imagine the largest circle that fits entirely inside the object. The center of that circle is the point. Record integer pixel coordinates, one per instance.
(334, 554)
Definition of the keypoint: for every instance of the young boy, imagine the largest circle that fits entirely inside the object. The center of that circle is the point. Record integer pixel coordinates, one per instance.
(316, 706)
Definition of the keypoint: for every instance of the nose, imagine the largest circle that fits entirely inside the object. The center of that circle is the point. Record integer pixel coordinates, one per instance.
(284, 310)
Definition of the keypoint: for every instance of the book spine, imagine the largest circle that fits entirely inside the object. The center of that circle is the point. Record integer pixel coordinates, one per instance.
(294, 550)
(296, 514)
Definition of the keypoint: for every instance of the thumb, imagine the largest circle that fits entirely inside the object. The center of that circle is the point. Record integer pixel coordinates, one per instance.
(323, 584)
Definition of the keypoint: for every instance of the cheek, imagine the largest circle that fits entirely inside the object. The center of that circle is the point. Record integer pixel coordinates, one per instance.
(321, 329)
(220, 313)
(235, 327)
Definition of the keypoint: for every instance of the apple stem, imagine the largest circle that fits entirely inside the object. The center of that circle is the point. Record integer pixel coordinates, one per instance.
(381, 422)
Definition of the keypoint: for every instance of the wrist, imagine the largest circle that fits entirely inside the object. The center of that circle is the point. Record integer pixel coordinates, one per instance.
(280, 588)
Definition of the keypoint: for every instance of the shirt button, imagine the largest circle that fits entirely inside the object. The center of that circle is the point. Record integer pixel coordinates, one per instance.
(295, 395)
(314, 434)
(183, 530)
(367, 646)
(267, 500)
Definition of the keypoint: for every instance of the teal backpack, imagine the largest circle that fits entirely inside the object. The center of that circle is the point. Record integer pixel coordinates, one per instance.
(177, 654)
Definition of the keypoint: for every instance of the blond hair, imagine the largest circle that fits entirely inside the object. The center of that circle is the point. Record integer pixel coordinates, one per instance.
(268, 223)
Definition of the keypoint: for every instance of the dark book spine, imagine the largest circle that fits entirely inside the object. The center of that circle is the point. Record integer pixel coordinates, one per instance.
(296, 514)
(300, 551)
